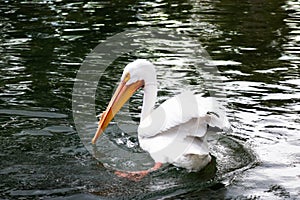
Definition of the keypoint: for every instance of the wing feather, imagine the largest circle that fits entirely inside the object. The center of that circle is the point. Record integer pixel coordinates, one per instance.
(179, 110)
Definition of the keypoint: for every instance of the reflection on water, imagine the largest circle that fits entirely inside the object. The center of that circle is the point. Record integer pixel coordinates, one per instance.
(254, 44)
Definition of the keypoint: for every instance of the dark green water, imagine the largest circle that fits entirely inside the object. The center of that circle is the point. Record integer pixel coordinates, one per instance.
(254, 44)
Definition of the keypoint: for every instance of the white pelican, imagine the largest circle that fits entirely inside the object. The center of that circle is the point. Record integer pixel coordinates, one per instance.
(175, 132)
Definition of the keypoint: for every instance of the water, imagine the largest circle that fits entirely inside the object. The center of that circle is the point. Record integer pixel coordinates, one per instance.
(254, 44)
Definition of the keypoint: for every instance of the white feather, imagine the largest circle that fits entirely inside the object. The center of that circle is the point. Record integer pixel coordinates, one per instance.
(175, 132)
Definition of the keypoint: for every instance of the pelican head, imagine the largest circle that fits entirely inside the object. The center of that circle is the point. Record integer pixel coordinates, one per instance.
(137, 74)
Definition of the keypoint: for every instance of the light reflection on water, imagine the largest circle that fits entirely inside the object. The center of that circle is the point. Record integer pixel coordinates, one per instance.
(254, 44)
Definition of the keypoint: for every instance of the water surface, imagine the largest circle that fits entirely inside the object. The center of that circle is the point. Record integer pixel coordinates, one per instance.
(254, 44)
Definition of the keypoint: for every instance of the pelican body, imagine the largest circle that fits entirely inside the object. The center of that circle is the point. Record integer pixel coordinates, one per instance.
(175, 132)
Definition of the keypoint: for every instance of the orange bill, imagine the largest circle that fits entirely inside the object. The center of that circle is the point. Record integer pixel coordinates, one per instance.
(120, 97)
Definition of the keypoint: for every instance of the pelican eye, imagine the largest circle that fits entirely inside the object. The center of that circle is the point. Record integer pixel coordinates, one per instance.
(127, 77)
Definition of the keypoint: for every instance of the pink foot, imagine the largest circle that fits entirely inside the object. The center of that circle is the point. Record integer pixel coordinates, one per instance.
(134, 176)
(138, 175)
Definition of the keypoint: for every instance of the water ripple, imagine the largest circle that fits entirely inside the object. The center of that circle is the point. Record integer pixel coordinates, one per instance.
(255, 45)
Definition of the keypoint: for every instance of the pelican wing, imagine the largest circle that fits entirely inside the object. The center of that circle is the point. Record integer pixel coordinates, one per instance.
(179, 110)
